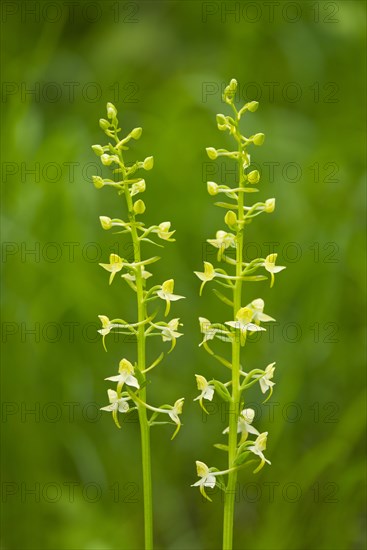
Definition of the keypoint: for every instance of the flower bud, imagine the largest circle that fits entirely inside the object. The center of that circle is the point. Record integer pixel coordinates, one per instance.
(104, 124)
(106, 159)
(148, 163)
(212, 153)
(98, 149)
(136, 133)
(111, 110)
(258, 139)
(269, 206)
(106, 222)
(138, 187)
(98, 182)
(230, 218)
(139, 207)
(252, 106)
(230, 91)
(253, 176)
(212, 188)
(222, 122)
(233, 85)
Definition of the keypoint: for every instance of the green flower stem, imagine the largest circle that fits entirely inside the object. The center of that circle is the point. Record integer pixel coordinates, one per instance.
(143, 420)
(236, 367)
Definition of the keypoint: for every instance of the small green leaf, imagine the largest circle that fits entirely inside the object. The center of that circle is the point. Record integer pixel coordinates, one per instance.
(241, 458)
(221, 447)
(223, 298)
(222, 390)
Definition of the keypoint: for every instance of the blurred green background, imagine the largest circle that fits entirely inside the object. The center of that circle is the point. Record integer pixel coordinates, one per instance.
(70, 479)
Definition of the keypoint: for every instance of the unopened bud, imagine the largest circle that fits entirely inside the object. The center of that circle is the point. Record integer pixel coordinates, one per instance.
(212, 153)
(139, 207)
(104, 124)
(253, 177)
(148, 163)
(258, 139)
(212, 188)
(230, 218)
(106, 222)
(111, 110)
(106, 159)
(98, 182)
(138, 187)
(252, 106)
(136, 133)
(269, 206)
(98, 149)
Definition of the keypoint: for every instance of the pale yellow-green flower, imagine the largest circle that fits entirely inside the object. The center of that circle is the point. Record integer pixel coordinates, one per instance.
(223, 241)
(211, 332)
(174, 414)
(244, 424)
(170, 332)
(117, 404)
(166, 293)
(207, 275)
(125, 376)
(206, 390)
(270, 266)
(115, 265)
(243, 320)
(163, 231)
(207, 479)
(258, 447)
(265, 379)
(257, 307)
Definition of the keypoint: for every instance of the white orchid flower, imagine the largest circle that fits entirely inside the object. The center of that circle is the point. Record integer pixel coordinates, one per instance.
(117, 404)
(115, 265)
(243, 322)
(207, 275)
(163, 231)
(258, 447)
(207, 479)
(166, 293)
(244, 425)
(222, 241)
(174, 413)
(270, 266)
(257, 306)
(206, 389)
(265, 379)
(210, 332)
(125, 376)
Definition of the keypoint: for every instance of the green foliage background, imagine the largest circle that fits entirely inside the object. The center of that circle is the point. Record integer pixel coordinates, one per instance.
(163, 63)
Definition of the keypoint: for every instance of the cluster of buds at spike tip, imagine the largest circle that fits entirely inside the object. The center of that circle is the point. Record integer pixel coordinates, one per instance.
(246, 320)
(131, 378)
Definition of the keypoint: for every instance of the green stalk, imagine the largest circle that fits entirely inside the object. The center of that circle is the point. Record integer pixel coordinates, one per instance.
(234, 411)
(143, 420)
